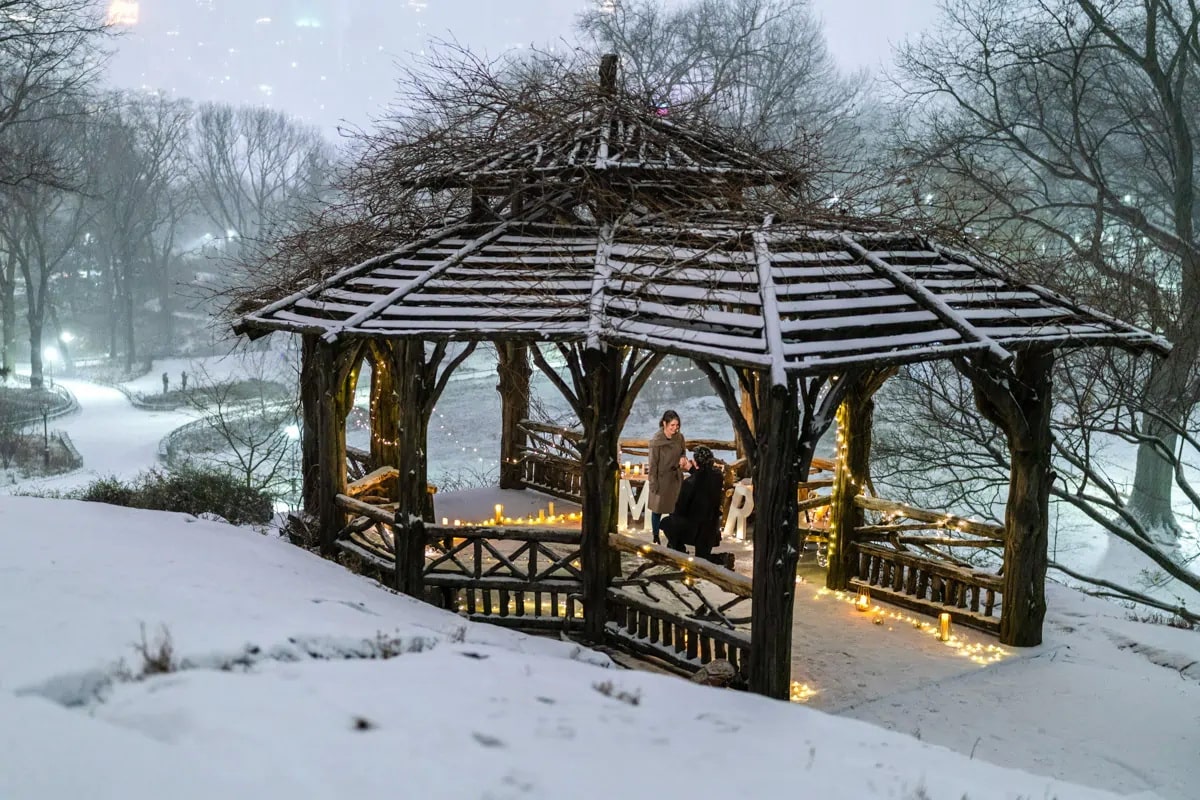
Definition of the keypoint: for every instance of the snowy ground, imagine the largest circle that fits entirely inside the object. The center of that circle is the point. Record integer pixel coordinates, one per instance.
(278, 694)
(1105, 702)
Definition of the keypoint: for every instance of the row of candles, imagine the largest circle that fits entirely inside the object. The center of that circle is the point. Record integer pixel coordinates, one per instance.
(545, 516)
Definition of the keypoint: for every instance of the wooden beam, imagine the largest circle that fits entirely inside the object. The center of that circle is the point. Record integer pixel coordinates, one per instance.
(371, 481)
(940, 518)
(726, 579)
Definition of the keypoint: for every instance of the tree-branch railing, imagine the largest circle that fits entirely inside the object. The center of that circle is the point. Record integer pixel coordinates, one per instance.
(683, 611)
(899, 561)
(527, 576)
(550, 457)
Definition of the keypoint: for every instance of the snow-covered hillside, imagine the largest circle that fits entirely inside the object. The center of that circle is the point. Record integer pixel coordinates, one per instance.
(281, 692)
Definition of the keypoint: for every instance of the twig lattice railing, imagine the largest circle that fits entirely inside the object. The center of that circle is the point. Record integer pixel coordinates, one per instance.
(905, 559)
(671, 607)
(524, 576)
(550, 458)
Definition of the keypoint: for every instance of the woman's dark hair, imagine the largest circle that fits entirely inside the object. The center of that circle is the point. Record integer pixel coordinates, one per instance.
(668, 416)
(703, 457)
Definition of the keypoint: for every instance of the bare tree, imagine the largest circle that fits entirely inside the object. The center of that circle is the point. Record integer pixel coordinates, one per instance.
(140, 199)
(246, 421)
(49, 58)
(1064, 132)
(40, 223)
(935, 452)
(254, 168)
(761, 67)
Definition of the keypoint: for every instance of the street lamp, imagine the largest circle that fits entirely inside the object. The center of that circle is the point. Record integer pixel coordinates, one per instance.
(46, 434)
(49, 356)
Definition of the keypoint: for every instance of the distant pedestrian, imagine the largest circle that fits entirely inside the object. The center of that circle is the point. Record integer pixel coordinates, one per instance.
(166, 383)
(183, 381)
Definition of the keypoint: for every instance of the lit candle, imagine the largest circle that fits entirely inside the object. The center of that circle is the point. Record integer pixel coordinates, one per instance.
(944, 627)
(551, 504)
(863, 603)
(628, 467)
(458, 523)
(541, 515)
(499, 509)
(637, 469)
(445, 521)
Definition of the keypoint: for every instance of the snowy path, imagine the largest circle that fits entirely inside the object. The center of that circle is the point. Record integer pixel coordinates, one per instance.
(112, 436)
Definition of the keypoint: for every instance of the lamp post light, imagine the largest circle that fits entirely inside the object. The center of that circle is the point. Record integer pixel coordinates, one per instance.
(46, 434)
(49, 356)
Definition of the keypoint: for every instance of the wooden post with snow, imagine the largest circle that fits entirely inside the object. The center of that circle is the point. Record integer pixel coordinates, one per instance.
(325, 372)
(514, 370)
(855, 424)
(385, 412)
(776, 540)
(412, 390)
(601, 428)
(1018, 401)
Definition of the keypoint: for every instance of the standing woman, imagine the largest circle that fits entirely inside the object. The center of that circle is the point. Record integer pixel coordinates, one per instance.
(664, 473)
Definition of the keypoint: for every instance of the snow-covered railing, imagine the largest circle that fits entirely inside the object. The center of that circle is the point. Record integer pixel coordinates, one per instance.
(525, 576)
(905, 559)
(678, 609)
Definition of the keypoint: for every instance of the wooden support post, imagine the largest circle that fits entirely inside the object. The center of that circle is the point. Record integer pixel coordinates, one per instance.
(601, 429)
(854, 419)
(776, 541)
(744, 449)
(514, 370)
(328, 374)
(385, 413)
(311, 409)
(411, 379)
(1018, 401)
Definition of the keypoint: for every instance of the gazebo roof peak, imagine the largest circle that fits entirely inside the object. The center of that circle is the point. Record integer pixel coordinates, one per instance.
(611, 133)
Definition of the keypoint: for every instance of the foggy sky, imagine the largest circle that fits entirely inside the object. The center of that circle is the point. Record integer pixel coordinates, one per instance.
(329, 61)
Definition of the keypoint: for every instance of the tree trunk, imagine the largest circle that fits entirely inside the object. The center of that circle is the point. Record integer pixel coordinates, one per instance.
(776, 541)
(602, 372)
(128, 305)
(8, 319)
(1154, 478)
(1026, 518)
(513, 367)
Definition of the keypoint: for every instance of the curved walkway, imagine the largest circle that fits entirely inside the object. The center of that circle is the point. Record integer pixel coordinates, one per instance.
(112, 436)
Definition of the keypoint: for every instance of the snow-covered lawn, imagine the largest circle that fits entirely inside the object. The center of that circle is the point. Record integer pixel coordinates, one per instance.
(461, 711)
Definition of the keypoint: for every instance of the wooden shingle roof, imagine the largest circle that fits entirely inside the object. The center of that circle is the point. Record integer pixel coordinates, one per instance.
(783, 296)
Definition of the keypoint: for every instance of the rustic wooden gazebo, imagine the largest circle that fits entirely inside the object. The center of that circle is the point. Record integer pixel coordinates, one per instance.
(617, 237)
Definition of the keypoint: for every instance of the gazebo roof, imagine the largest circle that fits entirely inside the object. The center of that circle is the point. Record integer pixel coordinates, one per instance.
(595, 131)
(779, 295)
(614, 136)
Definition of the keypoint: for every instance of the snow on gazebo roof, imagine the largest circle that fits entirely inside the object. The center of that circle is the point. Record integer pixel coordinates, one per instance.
(736, 289)
(617, 138)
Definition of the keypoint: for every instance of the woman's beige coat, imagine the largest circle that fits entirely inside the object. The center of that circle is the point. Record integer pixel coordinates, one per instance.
(664, 475)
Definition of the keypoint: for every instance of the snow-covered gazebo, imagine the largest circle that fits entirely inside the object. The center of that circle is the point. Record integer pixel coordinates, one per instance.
(618, 237)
